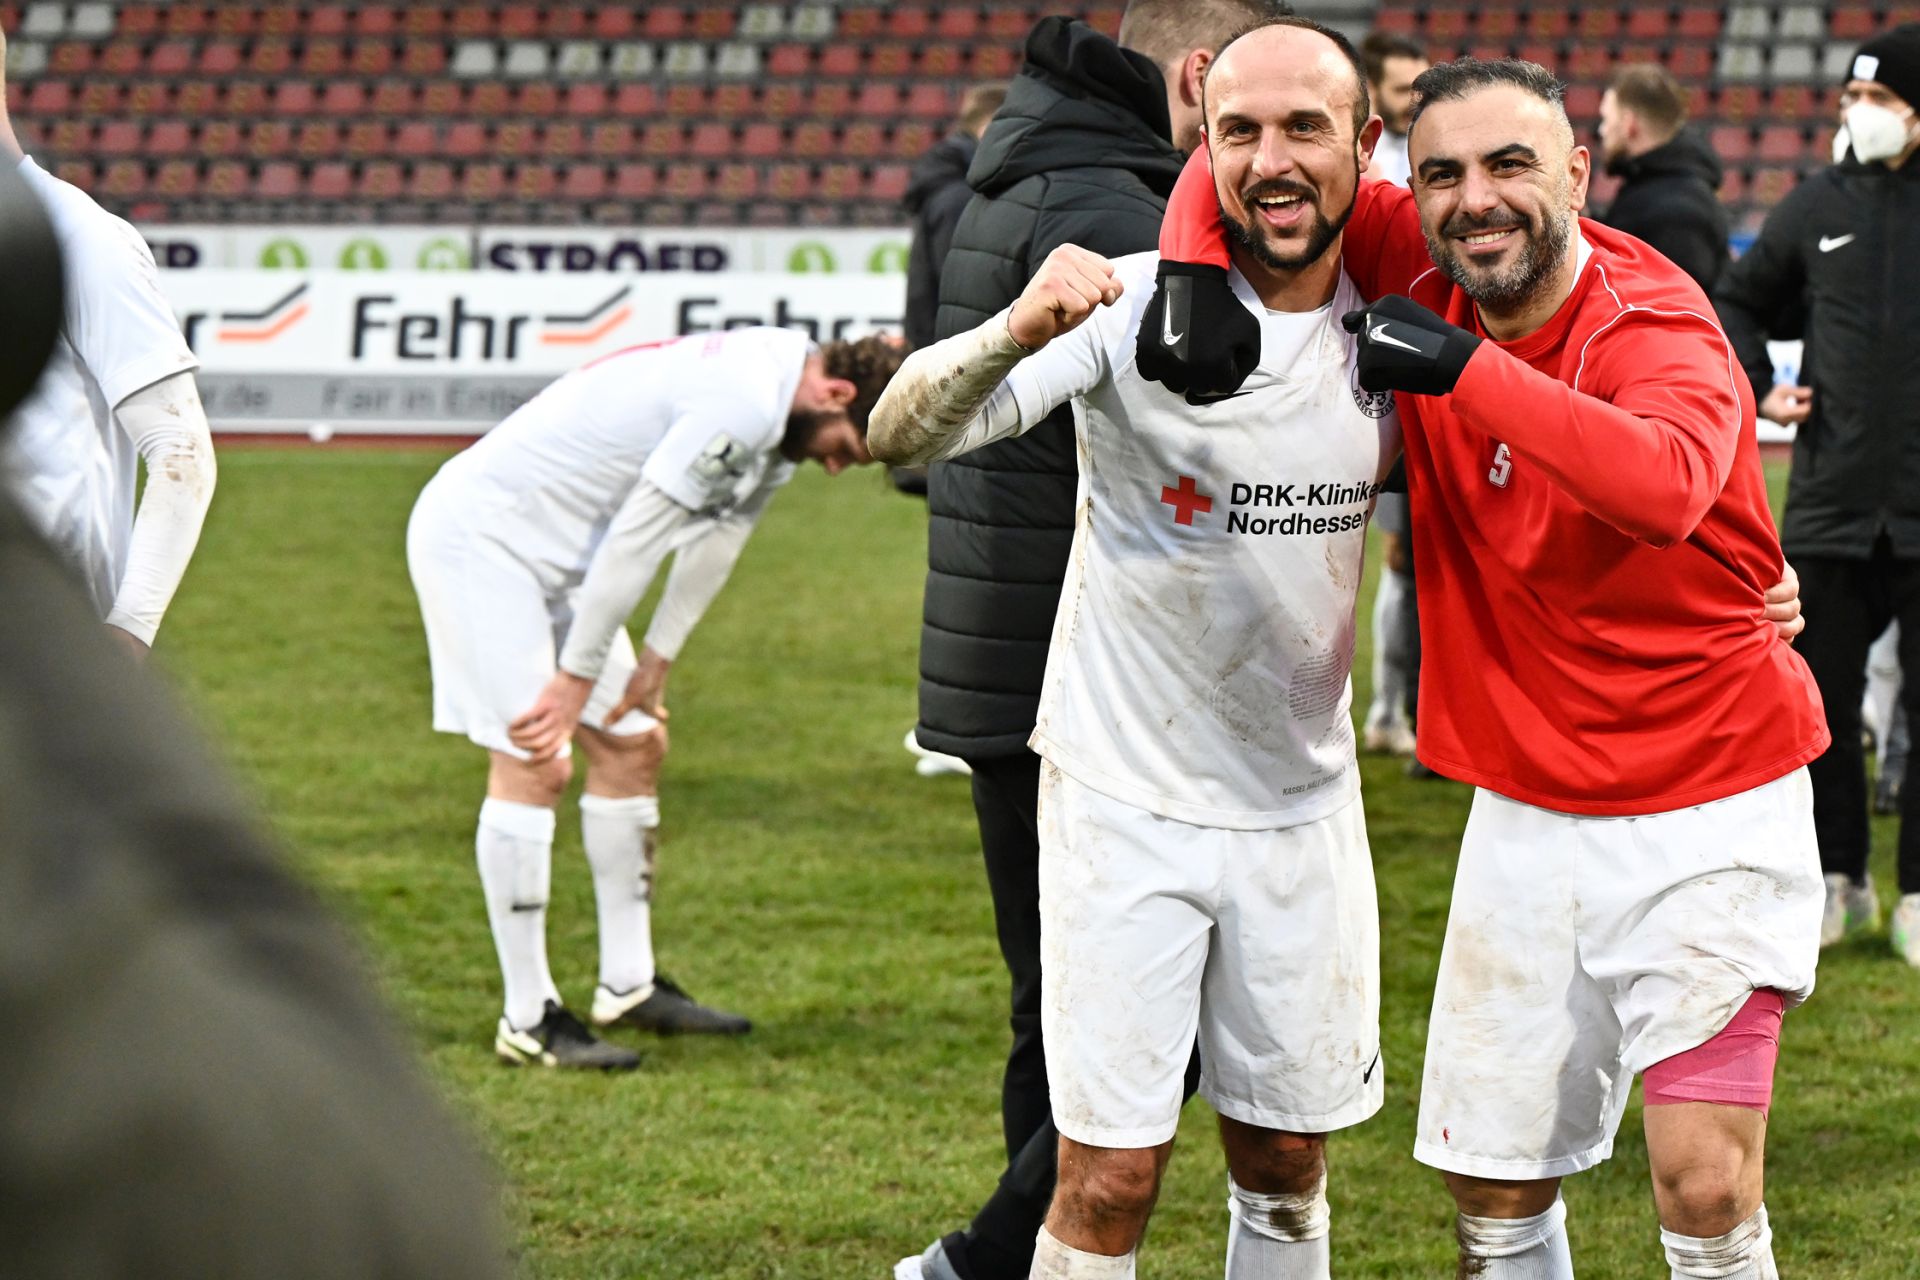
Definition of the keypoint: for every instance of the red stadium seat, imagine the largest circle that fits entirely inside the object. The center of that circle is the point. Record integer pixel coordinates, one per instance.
(737, 182)
(72, 58)
(277, 181)
(322, 58)
(385, 20)
(733, 102)
(139, 20)
(513, 139)
(124, 179)
(864, 139)
(1449, 25)
(430, 180)
(1738, 103)
(1733, 186)
(1648, 23)
(840, 181)
(763, 140)
(483, 182)
(613, 22)
(635, 180)
(121, 58)
(1731, 142)
(686, 101)
(1690, 62)
(842, 60)
(908, 22)
(584, 182)
(1781, 144)
(100, 99)
(993, 62)
(1400, 22)
(711, 141)
(890, 60)
(83, 174)
(1698, 21)
(169, 58)
(382, 180)
(635, 100)
(295, 98)
(788, 182)
(879, 101)
(330, 181)
(712, 24)
(790, 60)
(519, 21)
(863, 23)
(219, 58)
(911, 141)
(269, 138)
(370, 58)
(957, 22)
(814, 140)
(830, 101)
(563, 140)
(940, 62)
(328, 20)
(424, 58)
(416, 138)
(1497, 25)
(395, 99)
(1599, 24)
(1583, 102)
(929, 102)
(1795, 102)
(169, 138)
(276, 20)
(463, 138)
(889, 183)
(270, 57)
(1849, 23)
(186, 19)
(471, 20)
(663, 138)
(586, 99)
(782, 101)
(317, 140)
(1590, 62)
(1771, 185)
(613, 139)
(70, 137)
(367, 138)
(685, 181)
(221, 138)
(537, 100)
(1544, 55)
(150, 98)
(1549, 23)
(489, 99)
(119, 138)
(177, 179)
(48, 98)
(663, 22)
(443, 98)
(1011, 24)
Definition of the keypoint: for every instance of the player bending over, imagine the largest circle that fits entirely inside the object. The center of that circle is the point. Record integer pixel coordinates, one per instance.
(540, 540)
(1639, 890)
(1203, 857)
(118, 390)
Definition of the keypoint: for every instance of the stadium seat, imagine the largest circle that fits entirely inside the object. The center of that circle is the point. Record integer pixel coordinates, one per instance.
(1837, 62)
(321, 59)
(488, 99)
(474, 60)
(318, 140)
(908, 22)
(586, 99)
(177, 179)
(1738, 104)
(862, 23)
(1732, 143)
(814, 140)
(663, 22)
(686, 101)
(810, 22)
(563, 140)
(684, 58)
(527, 59)
(1850, 23)
(483, 182)
(889, 183)
(186, 19)
(328, 20)
(430, 180)
(1742, 62)
(292, 98)
(840, 181)
(278, 180)
(830, 101)
(1690, 62)
(613, 22)
(1583, 102)
(331, 180)
(370, 58)
(711, 141)
(441, 98)
(789, 182)
(891, 60)
(841, 60)
(472, 20)
(416, 138)
(737, 182)
(193, 98)
(993, 62)
(396, 99)
(1733, 186)
(267, 139)
(733, 102)
(878, 101)
(957, 22)
(663, 138)
(790, 60)
(763, 140)
(538, 100)
(1648, 23)
(138, 21)
(1698, 21)
(48, 97)
(1792, 62)
(367, 138)
(382, 180)
(124, 179)
(613, 139)
(1009, 24)
(782, 101)
(121, 58)
(169, 138)
(584, 182)
(864, 139)
(912, 140)
(579, 59)
(70, 137)
(635, 100)
(940, 62)
(634, 180)
(762, 21)
(1781, 144)
(1769, 185)
(1749, 22)
(119, 138)
(462, 138)
(685, 181)
(929, 102)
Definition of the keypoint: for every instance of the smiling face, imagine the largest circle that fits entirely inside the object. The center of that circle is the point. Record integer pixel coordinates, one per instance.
(1286, 152)
(1499, 183)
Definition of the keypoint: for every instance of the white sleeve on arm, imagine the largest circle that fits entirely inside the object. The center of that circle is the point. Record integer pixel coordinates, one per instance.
(701, 568)
(979, 386)
(623, 567)
(118, 319)
(168, 426)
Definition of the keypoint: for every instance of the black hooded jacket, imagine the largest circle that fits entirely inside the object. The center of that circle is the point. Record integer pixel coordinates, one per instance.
(1669, 198)
(1838, 264)
(934, 199)
(1079, 154)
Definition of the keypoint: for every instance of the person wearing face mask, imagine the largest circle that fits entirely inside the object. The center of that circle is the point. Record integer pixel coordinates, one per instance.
(1838, 264)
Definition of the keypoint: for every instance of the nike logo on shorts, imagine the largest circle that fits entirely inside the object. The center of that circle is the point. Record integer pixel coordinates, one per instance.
(1366, 1077)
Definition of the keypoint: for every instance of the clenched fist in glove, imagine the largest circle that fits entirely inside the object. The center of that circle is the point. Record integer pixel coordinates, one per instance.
(1405, 347)
(1196, 338)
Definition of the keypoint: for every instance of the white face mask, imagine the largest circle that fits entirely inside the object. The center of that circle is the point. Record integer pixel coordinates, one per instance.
(1876, 132)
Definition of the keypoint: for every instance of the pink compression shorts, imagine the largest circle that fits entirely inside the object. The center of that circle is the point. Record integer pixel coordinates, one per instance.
(1735, 1068)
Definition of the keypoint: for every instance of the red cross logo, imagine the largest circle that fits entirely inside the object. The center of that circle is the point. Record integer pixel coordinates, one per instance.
(1185, 500)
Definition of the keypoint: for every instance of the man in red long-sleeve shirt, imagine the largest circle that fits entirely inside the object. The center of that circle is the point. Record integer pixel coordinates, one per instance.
(1639, 887)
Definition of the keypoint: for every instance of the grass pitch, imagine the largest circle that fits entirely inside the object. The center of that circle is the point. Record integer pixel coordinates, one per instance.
(811, 880)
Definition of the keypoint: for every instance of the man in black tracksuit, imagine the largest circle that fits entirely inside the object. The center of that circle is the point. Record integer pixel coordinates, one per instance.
(1838, 263)
(1079, 154)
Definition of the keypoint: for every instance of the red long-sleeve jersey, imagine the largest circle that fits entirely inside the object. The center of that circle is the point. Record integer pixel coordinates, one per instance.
(1591, 534)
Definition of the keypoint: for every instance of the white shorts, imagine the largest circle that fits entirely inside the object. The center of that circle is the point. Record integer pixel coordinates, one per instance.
(494, 636)
(1581, 951)
(1265, 942)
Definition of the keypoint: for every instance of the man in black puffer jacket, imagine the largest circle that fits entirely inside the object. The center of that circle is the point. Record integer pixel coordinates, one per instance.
(1083, 152)
(1669, 176)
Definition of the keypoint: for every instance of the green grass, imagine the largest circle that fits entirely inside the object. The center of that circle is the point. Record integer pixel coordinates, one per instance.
(810, 879)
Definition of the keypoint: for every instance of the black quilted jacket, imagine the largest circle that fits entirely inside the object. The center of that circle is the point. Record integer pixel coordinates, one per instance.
(1078, 155)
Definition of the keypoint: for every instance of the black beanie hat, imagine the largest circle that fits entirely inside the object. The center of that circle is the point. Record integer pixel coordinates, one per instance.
(1893, 59)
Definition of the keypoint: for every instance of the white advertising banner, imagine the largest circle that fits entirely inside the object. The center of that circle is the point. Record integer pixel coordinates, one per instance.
(559, 250)
(455, 351)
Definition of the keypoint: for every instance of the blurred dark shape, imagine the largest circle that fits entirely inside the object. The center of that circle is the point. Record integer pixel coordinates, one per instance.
(32, 295)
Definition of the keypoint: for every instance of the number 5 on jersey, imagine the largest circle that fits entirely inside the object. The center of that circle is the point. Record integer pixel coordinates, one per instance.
(1502, 467)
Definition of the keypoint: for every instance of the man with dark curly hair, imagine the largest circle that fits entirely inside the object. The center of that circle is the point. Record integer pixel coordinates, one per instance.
(530, 550)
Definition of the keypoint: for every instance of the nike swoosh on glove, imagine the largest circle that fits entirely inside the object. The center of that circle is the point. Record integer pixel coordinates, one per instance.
(1405, 347)
(1196, 338)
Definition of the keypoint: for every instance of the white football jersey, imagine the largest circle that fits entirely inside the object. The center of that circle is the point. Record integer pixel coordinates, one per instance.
(64, 458)
(1206, 629)
(700, 417)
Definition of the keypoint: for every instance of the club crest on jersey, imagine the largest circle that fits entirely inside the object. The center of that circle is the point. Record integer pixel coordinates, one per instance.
(722, 457)
(1375, 404)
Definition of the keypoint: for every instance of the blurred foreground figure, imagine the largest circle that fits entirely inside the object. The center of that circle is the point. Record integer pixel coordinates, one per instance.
(208, 1088)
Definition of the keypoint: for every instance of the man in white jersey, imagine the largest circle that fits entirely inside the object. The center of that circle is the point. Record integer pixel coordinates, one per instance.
(1204, 861)
(118, 389)
(540, 541)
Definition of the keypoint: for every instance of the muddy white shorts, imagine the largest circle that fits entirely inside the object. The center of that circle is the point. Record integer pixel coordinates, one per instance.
(1580, 951)
(494, 635)
(1267, 943)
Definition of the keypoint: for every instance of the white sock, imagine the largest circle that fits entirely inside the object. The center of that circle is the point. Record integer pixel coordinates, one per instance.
(514, 847)
(619, 836)
(1278, 1237)
(1055, 1261)
(1744, 1253)
(1389, 667)
(1516, 1248)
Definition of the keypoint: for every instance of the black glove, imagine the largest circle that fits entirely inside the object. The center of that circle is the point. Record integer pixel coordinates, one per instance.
(1196, 338)
(1405, 347)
